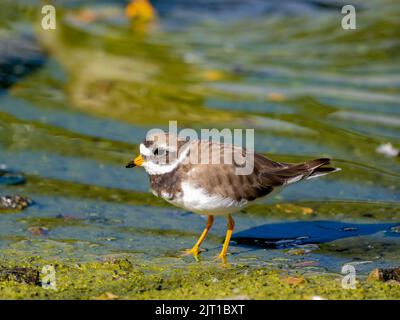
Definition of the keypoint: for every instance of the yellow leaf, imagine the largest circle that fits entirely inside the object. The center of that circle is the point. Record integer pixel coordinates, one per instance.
(275, 96)
(292, 208)
(212, 75)
(140, 10)
(294, 281)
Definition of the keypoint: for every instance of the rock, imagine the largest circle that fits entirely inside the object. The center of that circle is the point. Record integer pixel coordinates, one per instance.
(8, 177)
(19, 274)
(374, 275)
(38, 231)
(21, 56)
(393, 282)
(121, 262)
(16, 202)
(395, 229)
(385, 275)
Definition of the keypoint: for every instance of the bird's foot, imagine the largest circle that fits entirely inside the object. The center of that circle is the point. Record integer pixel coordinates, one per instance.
(195, 252)
(221, 257)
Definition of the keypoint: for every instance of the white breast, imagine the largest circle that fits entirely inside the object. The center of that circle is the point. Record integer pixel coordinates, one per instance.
(198, 200)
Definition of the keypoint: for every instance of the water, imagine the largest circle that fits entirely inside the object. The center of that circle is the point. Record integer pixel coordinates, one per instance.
(77, 101)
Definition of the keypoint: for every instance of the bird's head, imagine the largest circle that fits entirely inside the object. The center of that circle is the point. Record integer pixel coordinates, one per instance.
(160, 153)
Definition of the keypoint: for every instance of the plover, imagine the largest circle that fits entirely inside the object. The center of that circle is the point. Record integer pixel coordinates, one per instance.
(195, 175)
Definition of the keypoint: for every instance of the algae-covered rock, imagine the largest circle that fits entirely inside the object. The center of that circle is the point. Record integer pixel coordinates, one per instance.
(385, 275)
(20, 274)
(131, 278)
(16, 202)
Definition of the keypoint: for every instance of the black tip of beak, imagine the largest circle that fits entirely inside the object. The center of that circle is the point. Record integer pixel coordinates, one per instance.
(130, 165)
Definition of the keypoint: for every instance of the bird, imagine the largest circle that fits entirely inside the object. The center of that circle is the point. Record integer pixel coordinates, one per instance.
(194, 174)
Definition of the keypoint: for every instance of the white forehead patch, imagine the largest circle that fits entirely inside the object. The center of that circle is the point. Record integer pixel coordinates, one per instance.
(154, 168)
(147, 152)
(144, 150)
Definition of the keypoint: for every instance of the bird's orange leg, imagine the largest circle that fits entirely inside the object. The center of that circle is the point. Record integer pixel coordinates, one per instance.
(196, 248)
(230, 226)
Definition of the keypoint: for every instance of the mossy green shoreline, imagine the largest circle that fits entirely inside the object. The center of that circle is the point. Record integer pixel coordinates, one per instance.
(126, 278)
(76, 102)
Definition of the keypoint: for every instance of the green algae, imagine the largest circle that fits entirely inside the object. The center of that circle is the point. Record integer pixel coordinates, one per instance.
(363, 248)
(127, 278)
(57, 187)
(338, 210)
(144, 80)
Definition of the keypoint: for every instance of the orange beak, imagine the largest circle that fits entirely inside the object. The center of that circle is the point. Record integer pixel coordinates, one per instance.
(137, 162)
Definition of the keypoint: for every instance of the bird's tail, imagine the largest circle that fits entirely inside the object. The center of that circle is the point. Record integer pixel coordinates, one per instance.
(304, 171)
(317, 168)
